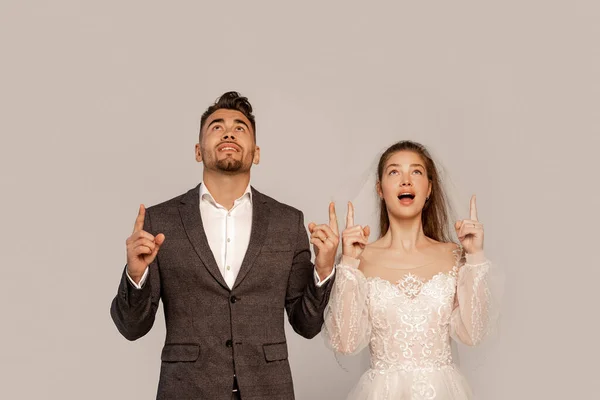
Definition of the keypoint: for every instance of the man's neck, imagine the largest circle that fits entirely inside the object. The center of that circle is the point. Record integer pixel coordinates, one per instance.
(226, 189)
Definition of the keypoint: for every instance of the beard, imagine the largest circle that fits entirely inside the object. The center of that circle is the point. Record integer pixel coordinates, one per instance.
(228, 165)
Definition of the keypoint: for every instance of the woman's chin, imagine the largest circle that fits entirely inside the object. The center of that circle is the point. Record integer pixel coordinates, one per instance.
(406, 215)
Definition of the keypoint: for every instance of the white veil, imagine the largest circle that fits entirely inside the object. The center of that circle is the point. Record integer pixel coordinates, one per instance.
(361, 191)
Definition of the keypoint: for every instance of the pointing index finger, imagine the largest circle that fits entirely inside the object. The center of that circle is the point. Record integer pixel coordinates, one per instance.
(333, 223)
(139, 221)
(473, 208)
(350, 215)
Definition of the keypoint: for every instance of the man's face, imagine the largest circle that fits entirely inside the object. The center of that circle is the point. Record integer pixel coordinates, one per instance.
(227, 143)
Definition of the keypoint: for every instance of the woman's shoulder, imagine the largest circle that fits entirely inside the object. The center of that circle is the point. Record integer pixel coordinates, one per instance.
(444, 247)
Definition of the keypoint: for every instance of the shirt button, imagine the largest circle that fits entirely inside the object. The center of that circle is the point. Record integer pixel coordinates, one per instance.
(228, 240)
(228, 268)
(229, 343)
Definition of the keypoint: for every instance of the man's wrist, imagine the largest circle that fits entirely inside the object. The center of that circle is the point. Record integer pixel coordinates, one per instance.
(135, 277)
(324, 272)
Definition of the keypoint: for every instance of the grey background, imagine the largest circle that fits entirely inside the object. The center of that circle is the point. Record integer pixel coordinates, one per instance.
(101, 104)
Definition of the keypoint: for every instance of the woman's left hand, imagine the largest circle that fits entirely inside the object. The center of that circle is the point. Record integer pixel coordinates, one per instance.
(470, 231)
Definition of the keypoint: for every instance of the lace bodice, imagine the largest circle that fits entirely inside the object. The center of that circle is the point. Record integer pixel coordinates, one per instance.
(410, 321)
(408, 325)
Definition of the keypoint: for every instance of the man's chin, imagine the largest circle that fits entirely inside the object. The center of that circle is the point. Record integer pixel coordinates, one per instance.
(230, 166)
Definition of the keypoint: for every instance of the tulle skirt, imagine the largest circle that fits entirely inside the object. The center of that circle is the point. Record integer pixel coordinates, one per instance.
(446, 383)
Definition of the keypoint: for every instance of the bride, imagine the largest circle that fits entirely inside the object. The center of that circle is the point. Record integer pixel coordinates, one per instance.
(407, 293)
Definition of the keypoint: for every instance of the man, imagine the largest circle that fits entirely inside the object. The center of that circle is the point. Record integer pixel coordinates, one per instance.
(225, 260)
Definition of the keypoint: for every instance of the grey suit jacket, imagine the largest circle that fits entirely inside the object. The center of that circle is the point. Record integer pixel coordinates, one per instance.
(212, 331)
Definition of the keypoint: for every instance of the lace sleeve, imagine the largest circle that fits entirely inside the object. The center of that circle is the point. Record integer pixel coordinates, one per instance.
(478, 292)
(347, 329)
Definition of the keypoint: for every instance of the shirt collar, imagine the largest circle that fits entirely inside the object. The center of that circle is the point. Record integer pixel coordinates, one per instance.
(205, 194)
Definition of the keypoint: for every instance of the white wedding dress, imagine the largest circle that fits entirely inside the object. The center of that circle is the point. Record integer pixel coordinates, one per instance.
(408, 325)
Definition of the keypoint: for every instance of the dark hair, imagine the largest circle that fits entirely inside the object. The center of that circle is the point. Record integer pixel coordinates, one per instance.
(230, 101)
(435, 211)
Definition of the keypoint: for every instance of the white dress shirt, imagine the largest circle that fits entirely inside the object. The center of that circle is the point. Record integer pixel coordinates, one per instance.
(227, 231)
(228, 234)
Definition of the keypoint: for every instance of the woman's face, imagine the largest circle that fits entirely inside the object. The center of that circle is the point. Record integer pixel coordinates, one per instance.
(404, 185)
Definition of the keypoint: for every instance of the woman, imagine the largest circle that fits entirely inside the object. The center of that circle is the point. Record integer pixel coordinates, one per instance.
(406, 294)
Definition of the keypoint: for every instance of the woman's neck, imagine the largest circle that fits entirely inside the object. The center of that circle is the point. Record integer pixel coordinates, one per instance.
(405, 234)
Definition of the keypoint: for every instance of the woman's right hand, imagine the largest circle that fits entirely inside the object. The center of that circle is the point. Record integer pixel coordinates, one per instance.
(354, 237)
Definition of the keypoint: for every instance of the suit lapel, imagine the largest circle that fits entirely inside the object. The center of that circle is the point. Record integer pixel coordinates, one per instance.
(260, 225)
(189, 210)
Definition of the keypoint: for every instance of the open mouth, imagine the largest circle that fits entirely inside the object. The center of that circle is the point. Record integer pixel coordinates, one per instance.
(228, 147)
(406, 196)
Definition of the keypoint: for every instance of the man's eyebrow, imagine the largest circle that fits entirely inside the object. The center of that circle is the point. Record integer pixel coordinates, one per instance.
(239, 121)
(218, 120)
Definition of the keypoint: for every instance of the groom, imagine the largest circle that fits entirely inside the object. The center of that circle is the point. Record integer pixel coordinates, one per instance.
(226, 260)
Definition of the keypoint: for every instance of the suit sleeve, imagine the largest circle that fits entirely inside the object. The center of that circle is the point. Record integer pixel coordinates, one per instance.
(305, 302)
(133, 310)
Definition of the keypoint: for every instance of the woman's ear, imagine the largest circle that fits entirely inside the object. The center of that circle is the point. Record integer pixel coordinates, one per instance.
(379, 191)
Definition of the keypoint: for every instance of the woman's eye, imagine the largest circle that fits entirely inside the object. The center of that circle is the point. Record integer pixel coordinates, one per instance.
(393, 172)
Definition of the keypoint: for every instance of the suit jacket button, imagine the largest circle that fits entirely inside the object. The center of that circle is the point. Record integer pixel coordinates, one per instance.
(229, 343)
(233, 299)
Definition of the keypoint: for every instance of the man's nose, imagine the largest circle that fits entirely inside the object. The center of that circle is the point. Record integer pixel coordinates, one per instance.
(228, 135)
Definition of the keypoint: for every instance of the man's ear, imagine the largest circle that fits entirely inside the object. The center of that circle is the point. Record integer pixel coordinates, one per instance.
(256, 158)
(198, 153)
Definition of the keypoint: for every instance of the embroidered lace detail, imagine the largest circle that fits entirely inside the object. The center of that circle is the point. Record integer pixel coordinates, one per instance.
(407, 326)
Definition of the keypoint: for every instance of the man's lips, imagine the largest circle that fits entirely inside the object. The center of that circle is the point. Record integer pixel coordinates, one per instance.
(229, 147)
